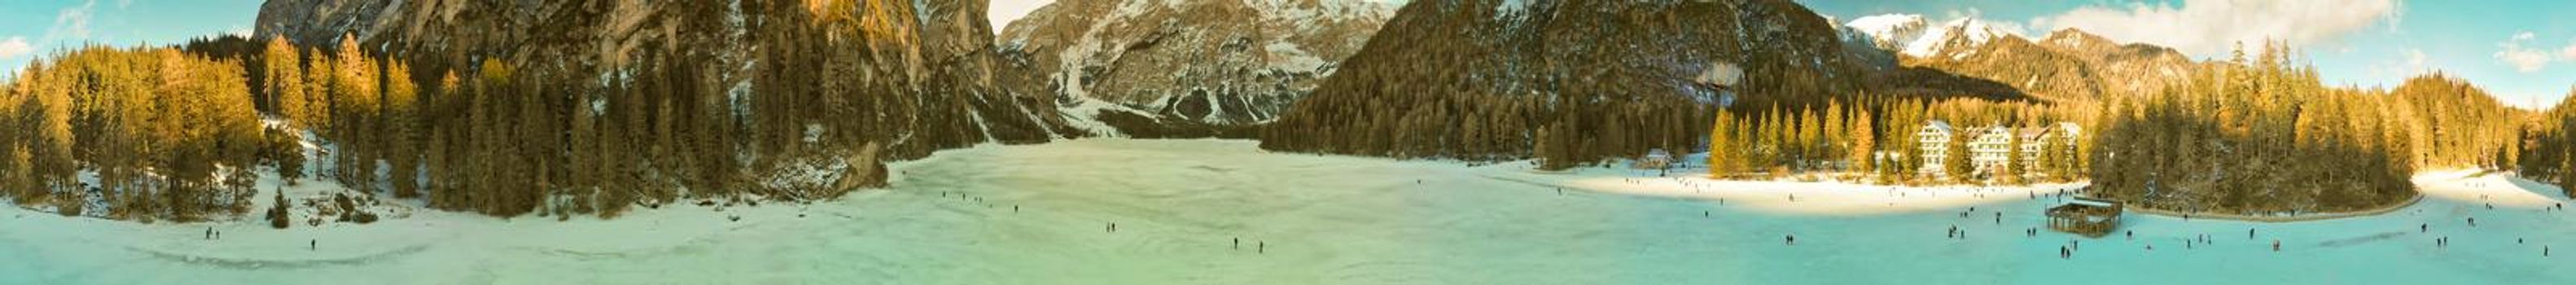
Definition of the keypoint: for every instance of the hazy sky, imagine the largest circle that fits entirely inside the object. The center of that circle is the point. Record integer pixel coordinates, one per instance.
(34, 28)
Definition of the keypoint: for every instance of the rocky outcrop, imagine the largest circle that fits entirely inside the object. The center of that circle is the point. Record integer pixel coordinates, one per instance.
(1161, 68)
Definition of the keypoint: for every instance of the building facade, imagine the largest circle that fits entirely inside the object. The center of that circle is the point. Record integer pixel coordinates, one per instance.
(1990, 146)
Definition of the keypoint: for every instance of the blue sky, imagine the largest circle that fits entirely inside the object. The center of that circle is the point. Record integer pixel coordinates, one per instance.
(2352, 42)
(30, 29)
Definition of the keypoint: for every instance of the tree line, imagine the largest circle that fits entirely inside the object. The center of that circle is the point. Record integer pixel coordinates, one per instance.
(2550, 152)
(2263, 137)
(491, 131)
(1875, 140)
(163, 134)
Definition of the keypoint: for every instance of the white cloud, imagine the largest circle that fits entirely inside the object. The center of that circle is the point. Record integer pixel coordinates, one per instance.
(2569, 53)
(2212, 27)
(71, 23)
(14, 47)
(2522, 58)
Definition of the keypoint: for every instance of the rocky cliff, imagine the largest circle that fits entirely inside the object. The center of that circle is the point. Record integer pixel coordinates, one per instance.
(1165, 68)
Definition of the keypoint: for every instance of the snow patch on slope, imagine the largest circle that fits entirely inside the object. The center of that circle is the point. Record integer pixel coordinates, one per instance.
(1084, 113)
(1307, 15)
(1511, 8)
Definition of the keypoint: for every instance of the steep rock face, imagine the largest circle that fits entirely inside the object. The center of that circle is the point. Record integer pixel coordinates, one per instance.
(1153, 68)
(1505, 79)
(807, 84)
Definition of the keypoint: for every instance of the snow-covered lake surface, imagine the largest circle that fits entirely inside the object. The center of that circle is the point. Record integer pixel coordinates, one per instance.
(1040, 215)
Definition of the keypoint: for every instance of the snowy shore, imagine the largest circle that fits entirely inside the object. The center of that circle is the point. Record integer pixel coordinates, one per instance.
(1040, 214)
(1793, 197)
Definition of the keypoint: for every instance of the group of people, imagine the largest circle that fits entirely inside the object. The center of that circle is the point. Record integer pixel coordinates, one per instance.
(2068, 251)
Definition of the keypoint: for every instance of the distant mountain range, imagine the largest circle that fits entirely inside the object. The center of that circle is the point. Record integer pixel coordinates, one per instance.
(2067, 64)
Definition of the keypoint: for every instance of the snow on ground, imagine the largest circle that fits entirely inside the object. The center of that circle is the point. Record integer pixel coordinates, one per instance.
(1039, 214)
(2478, 187)
(1789, 197)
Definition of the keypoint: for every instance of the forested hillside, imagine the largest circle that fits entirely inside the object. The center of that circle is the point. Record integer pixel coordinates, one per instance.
(2550, 154)
(2259, 137)
(557, 108)
(1576, 82)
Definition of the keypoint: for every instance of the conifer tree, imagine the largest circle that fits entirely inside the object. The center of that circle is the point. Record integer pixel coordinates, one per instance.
(1864, 142)
(1810, 136)
(1832, 143)
(285, 73)
(2011, 172)
(1958, 163)
(1721, 147)
(401, 122)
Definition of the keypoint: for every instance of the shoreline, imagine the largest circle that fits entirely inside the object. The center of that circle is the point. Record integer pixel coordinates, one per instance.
(1815, 198)
(2384, 209)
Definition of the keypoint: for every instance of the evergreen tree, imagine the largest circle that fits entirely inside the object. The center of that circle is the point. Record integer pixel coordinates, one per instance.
(1721, 146)
(1832, 143)
(401, 122)
(1809, 141)
(285, 73)
(2012, 170)
(1864, 142)
(353, 98)
(1958, 163)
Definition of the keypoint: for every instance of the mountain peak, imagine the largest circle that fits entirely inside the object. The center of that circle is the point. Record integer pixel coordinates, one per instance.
(1888, 31)
(2076, 39)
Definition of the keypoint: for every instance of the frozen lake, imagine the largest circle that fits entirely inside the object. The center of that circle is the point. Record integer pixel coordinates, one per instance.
(1040, 214)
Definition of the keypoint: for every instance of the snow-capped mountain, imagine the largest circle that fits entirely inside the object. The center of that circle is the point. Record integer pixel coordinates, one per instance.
(1162, 68)
(1914, 36)
(2068, 64)
(1888, 31)
(1954, 38)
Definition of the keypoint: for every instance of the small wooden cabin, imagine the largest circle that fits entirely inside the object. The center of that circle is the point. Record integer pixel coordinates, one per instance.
(1654, 159)
(2085, 216)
